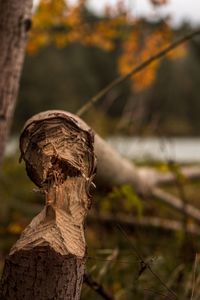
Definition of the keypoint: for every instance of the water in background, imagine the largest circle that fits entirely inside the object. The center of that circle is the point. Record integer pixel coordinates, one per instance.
(184, 150)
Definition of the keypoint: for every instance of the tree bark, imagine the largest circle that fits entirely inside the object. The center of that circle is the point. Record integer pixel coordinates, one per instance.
(14, 25)
(48, 260)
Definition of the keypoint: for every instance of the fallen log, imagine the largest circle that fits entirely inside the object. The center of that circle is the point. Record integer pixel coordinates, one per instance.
(114, 170)
(48, 260)
(113, 167)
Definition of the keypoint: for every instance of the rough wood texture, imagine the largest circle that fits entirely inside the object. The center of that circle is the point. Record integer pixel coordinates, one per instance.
(14, 24)
(41, 273)
(47, 262)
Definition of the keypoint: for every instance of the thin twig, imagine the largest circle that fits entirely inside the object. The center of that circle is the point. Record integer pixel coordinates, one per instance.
(97, 287)
(145, 264)
(146, 221)
(175, 169)
(194, 277)
(174, 275)
(111, 258)
(157, 293)
(176, 203)
(162, 282)
(135, 70)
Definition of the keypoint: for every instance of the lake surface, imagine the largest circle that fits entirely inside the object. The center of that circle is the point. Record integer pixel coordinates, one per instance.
(178, 149)
(184, 150)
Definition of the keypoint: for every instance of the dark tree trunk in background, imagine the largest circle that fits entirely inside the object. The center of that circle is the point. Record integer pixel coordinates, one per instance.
(48, 261)
(14, 24)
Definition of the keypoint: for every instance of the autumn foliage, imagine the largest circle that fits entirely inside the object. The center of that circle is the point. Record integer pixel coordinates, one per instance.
(58, 23)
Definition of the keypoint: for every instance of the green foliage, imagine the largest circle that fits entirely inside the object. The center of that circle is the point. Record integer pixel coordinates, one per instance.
(125, 197)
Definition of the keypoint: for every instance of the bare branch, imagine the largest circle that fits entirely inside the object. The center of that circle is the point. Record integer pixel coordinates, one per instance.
(168, 225)
(189, 172)
(135, 70)
(97, 287)
(176, 203)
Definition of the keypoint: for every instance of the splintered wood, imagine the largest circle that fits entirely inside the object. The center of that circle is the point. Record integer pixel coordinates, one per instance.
(57, 148)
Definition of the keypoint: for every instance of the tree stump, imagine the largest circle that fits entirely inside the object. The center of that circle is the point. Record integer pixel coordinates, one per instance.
(48, 260)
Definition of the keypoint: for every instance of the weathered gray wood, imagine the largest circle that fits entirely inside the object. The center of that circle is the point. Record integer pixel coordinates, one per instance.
(48, 260)
(14, 25)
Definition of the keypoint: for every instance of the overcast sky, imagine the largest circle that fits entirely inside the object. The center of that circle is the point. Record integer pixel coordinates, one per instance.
(179, 10)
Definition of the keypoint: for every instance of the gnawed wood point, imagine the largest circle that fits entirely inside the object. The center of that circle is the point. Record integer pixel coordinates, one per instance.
(57, 148)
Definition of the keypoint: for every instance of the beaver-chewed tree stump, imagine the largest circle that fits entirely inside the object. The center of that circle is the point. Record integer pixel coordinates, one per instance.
(48, 260)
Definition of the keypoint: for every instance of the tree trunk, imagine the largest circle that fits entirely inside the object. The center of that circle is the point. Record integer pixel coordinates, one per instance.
(48, 260)
(14, 25)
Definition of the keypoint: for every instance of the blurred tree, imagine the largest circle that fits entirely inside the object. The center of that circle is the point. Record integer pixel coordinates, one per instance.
(159, 2)
(14, 25)
(61, 24)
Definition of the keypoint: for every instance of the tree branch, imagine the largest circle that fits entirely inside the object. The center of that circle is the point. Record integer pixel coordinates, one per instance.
(134, 71)
(97, 287)
(176, 203)
(168, 225)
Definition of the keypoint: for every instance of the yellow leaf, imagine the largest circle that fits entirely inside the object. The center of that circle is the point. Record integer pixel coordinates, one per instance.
(14, 228)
